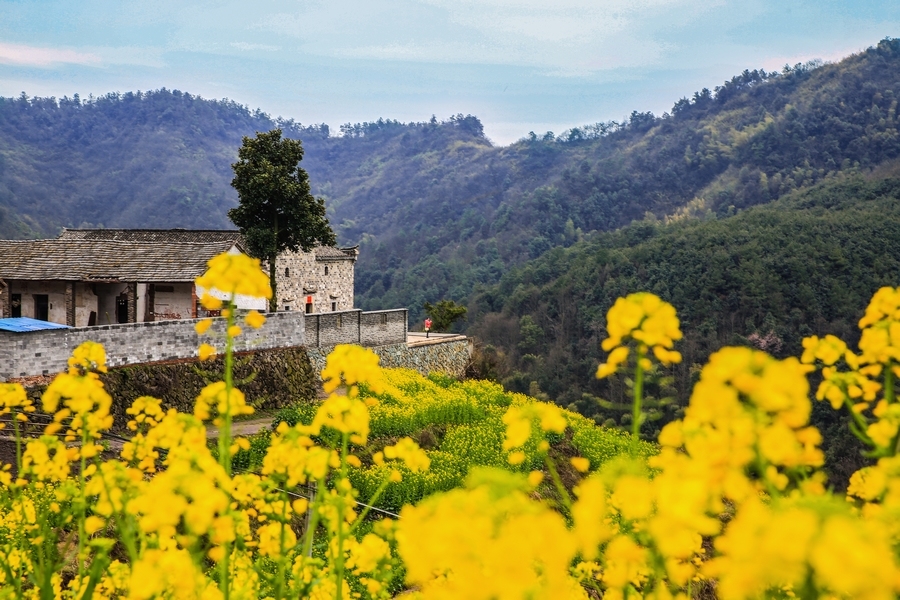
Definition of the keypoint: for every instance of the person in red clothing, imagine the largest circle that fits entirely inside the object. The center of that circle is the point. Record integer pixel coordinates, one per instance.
(427, 327)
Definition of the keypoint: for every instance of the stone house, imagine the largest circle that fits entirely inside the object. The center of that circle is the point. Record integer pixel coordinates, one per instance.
(314, 282)
(86, 282)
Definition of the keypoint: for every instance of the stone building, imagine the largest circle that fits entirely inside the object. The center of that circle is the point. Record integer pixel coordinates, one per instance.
(317, 281)
(314, 282)
(86, 282)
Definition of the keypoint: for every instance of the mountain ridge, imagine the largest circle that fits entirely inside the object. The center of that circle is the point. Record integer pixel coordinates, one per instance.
(438, 210)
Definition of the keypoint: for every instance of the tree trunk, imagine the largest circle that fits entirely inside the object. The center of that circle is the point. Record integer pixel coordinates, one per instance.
(273, 301)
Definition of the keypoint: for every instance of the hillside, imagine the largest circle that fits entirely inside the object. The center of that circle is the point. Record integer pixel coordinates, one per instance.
(802, 265)
(440, 211)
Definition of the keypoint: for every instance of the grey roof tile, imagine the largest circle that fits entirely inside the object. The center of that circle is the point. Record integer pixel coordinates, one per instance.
(103, 259)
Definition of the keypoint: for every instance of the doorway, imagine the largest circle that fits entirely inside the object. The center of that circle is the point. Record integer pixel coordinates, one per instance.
(15, 301)
(42, 307)
(122, 309)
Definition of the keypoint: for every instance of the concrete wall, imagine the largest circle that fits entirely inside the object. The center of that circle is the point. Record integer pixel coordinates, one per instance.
(172, 301)
(443, 356)
(46, 352)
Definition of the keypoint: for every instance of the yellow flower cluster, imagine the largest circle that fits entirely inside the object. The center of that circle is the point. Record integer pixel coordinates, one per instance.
(647, 320)
(225, 401)
(234, 274)
(350, 365)
(14, 401)
(866, 387)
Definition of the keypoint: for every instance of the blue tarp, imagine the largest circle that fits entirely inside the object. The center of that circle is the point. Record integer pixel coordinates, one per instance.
(20, 324)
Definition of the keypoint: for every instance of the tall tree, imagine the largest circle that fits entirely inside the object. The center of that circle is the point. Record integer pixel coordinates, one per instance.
(277, 212)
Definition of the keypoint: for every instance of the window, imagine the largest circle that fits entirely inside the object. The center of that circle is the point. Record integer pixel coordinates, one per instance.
(287, 272)
(340, 321)
(383, 318)
(308, 307)
(333, 306)
(326, 269)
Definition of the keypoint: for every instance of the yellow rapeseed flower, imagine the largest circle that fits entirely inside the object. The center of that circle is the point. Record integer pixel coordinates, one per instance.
(254, 319)
(235, 274)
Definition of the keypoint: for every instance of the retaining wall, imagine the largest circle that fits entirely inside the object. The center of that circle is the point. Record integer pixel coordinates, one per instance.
(444, 356)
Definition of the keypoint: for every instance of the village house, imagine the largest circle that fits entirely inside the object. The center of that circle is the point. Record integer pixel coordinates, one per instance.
(91, 277)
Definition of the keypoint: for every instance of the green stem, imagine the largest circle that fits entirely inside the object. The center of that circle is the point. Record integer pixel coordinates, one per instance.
(314, 519)
(339, 559)
(18, 444)
(858, 419)
(279, 584)
(889, 383)
(560, 488)
(82, 508)
(225, 436)
(638, 399)
(372, 500)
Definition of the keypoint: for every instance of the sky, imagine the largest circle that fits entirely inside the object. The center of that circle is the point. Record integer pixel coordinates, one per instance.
(518, 65)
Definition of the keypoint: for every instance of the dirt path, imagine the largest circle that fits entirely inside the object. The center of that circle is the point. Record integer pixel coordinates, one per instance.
(244, 427)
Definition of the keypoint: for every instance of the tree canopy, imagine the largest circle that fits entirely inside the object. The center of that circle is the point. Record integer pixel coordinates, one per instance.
(444, 314)
(276, 211)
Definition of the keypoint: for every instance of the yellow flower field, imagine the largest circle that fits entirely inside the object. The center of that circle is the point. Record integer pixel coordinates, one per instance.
(731, 504)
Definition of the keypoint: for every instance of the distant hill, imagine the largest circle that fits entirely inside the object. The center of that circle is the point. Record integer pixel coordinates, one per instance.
(439, 211)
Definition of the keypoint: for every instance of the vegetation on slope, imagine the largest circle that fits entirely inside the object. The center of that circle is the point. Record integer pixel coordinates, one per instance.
(766, 277)
(438, 209)
(460, 425)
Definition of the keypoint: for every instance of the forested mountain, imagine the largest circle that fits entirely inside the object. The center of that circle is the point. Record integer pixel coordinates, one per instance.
(440, 210)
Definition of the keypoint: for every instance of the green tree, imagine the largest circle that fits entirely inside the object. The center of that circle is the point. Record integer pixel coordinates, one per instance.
(277, 212)
(444, 314)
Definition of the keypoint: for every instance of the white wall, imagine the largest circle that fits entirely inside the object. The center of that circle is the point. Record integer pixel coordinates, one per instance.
(85, 304)
(55, 290)
(106, 305)
(177, 304)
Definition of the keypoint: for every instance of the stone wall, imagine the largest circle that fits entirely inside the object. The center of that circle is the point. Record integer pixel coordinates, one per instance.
(46, 352)
(445, 356)
(375, 328)
(324, 276)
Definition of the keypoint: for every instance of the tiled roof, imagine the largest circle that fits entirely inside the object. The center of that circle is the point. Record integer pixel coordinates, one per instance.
(332, 253)
(193, 236)
(190, 236)
(101, 260)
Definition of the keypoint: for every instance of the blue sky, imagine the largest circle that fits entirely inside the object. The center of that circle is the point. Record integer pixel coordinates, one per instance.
(519, 65)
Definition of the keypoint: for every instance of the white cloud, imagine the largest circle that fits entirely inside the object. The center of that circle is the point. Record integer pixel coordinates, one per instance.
(33, 56)
(249, 47)
(573, 38)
